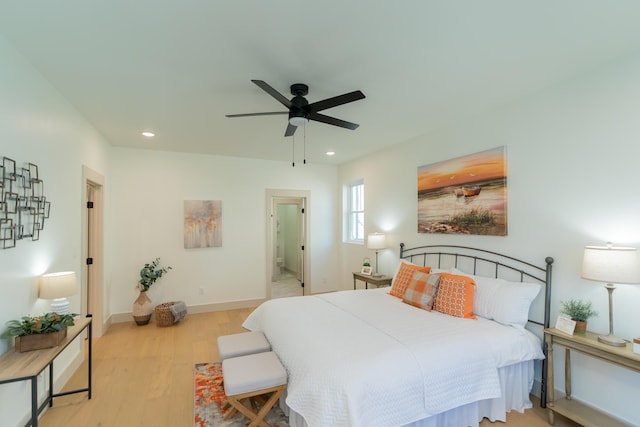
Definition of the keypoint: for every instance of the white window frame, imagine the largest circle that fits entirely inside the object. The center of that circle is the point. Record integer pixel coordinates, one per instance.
(354, 212)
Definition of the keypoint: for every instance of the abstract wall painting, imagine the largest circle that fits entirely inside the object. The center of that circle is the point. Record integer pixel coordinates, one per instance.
(464, 195)
(202, 224)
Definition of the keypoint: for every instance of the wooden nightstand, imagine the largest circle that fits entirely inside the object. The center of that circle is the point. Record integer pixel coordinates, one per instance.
(371, 280)
(587, 344)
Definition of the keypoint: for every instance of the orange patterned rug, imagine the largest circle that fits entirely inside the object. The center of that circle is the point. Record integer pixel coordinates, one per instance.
(209, 399)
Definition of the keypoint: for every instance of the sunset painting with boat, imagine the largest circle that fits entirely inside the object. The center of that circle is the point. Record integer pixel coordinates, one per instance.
(465, 195)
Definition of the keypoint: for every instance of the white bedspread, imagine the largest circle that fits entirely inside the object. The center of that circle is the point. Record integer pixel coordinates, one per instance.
(364, 358)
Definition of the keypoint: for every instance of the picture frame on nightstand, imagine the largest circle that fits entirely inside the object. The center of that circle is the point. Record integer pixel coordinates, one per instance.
(565, 324)
(366, 270)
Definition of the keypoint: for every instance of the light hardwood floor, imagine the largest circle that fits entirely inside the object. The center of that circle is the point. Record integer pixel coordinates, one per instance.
(143, 376)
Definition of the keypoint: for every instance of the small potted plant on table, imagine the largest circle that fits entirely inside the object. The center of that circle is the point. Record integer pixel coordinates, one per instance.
(579, 311)
(35, 333)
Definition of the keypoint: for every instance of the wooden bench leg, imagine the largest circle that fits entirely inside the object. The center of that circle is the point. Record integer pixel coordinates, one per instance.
(266, 408)
(257, 419)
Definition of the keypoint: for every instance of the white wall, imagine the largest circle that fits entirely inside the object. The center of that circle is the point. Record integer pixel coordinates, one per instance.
(37, 125)
(147, 222)
(572, 167)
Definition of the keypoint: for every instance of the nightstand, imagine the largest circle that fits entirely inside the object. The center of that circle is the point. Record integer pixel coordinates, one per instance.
(587, 344)
(371, 280)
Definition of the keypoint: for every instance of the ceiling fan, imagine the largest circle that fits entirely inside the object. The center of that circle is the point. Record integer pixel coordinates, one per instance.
(300, 111)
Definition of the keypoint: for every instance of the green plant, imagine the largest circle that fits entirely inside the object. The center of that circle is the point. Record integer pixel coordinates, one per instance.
(578, 310)
(47, 323)
(474, 217)
(150, 273)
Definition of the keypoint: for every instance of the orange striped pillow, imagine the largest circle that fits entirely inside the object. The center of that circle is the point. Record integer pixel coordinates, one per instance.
(422, 290)
(403, 277)
(455, 295)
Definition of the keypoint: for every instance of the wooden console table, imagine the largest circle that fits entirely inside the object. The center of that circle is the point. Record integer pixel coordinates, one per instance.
(587, 344)
(16, 366)
(371, 280)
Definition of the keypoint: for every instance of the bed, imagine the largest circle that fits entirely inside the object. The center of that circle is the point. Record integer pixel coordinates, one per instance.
(368, 358)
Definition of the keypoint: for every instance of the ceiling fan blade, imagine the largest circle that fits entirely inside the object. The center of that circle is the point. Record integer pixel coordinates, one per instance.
(271, 91)
(332, 121)
(273, 113)
(335, 101)
(291, 129)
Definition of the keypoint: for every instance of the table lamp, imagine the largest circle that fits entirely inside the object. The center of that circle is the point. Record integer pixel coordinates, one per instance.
(376, 242)
(611, 265)
(57, 287)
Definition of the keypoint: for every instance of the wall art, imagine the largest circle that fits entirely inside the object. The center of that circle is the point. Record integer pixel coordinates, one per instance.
(202, 223)
(464, 195)
(23, 205)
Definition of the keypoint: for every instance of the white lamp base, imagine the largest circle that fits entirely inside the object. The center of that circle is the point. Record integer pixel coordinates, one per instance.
(612, 340)
(60, 306)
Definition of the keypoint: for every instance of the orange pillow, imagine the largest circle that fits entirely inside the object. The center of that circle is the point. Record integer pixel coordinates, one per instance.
(422, 290)
(403, 277)
(455, 295)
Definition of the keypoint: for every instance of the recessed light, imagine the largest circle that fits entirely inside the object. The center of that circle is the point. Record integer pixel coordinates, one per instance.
(330, 153)
(148, 134)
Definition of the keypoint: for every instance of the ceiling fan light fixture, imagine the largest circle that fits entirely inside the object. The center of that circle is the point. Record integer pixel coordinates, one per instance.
(298, 121)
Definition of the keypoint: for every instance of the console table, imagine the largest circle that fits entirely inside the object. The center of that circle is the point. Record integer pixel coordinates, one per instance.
(371, 280)
(587, 344)
(16, 366)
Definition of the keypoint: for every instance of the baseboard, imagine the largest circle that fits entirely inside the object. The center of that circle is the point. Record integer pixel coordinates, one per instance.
(193, 309)
(69, 370)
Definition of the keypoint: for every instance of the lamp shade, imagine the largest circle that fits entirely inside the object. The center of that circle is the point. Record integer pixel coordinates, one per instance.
(58, 285)
(376, 241)
(611, 264)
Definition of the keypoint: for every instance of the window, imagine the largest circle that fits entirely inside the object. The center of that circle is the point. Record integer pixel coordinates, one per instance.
(354, 193)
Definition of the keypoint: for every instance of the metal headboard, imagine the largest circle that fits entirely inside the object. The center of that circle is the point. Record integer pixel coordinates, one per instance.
(499, 265)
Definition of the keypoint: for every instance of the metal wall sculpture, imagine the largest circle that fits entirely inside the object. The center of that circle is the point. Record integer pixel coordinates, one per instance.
(23, 205)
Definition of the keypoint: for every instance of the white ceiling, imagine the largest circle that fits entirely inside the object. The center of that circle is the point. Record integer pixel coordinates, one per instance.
(176, 67)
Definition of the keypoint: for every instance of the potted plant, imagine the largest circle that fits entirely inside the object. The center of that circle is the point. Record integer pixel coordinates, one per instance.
(34, 333)
(149, 274)
(579, 311)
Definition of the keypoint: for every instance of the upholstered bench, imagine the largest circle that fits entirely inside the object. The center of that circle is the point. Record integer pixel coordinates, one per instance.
(251, 376)
(242, 344)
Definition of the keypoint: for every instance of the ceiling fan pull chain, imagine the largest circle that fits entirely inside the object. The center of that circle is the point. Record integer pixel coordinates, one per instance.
(293, 151)
(304, 154)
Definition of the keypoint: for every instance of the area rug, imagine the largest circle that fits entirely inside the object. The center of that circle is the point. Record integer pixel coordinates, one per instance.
(210, 398)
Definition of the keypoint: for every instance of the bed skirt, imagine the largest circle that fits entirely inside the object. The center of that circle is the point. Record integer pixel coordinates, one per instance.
(516, 382)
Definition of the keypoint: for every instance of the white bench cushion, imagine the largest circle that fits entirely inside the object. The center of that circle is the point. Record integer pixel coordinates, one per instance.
(242, 344)
(252, 372)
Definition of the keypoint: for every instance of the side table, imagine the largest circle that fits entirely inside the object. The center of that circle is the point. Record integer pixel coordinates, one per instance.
(586, 344)
(16, 366)
(371, 280)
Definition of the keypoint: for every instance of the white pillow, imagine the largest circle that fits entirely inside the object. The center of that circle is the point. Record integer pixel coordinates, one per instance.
(503, 301)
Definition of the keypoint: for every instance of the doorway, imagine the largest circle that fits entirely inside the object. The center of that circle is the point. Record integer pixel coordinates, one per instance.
(287, 251)
(93, 221)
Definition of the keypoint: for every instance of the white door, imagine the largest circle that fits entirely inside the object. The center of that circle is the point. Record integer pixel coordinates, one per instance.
(92, 284)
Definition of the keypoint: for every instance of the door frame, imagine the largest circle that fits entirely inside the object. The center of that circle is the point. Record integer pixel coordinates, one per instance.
(272, 195)
(93, 243)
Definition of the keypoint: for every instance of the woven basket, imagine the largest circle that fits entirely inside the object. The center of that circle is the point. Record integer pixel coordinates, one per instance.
(164, 316)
